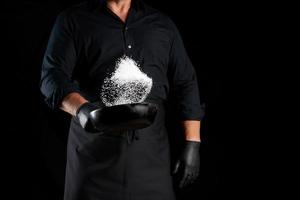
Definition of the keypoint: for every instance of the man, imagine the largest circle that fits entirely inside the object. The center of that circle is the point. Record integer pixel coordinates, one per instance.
(85, 43)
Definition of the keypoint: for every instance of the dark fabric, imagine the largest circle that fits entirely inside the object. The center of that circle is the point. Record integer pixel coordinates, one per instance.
(119, 166)
(85, 44)
(83, 48)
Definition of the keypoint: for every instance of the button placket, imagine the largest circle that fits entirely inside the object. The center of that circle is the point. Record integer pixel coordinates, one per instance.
(125, 31)
(127, 42)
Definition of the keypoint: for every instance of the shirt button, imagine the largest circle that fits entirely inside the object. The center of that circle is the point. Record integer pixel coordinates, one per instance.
(129, 46)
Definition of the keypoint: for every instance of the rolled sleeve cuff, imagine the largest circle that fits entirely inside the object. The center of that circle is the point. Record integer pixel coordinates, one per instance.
(196, 114)
(59, 94)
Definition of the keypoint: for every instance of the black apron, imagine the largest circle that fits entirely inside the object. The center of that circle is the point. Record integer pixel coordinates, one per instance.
(127, 165)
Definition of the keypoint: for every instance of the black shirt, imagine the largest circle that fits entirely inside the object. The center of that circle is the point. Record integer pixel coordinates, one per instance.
(85, 43)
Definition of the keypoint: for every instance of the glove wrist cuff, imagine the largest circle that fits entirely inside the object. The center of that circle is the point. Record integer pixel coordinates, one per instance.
(86, 108)
(193, 144)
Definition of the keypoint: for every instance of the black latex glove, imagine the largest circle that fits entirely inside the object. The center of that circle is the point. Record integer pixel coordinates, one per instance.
(86, 120)
(95, 119)
(188, 165)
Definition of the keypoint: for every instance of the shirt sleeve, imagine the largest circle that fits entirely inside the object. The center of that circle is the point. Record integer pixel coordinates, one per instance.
(58, 63)
(183, 79)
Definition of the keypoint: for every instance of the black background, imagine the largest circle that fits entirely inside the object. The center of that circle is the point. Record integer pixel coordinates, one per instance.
(35, 137)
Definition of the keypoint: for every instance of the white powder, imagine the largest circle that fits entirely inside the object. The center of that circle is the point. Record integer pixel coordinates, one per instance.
(127, 84)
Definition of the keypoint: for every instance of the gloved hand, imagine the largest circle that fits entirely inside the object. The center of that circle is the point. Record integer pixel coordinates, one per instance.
(95, 118)
(86, 120)
(188, 165)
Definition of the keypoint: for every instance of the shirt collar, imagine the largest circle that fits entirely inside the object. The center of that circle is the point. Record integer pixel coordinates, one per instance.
(136, 10)
(136, 5)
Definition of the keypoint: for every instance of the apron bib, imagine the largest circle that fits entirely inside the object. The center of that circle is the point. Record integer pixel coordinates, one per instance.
(124, 165)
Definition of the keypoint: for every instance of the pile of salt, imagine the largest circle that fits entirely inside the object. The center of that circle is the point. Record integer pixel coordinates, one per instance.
(127, 84)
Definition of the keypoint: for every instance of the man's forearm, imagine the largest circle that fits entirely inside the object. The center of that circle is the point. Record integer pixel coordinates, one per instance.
(192, 130)
(72, 102)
